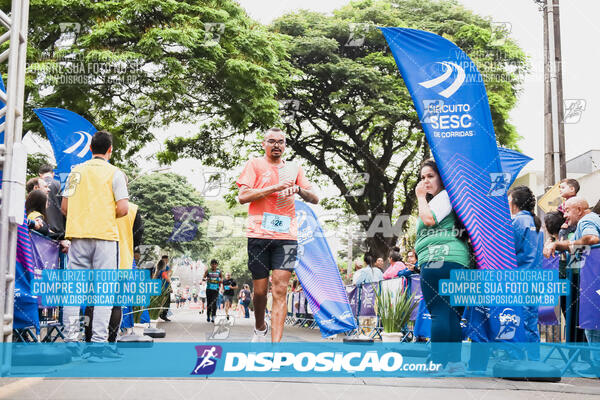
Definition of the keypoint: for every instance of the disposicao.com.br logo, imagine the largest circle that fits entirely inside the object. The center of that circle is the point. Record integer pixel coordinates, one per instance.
(309, 362)
(370, 361)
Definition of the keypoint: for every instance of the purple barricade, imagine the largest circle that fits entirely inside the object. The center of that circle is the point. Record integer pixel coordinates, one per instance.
(368, 294)
(45, 256)
(589, 299)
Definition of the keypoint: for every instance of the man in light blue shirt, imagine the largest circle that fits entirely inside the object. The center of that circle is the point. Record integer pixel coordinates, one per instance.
(587, 233)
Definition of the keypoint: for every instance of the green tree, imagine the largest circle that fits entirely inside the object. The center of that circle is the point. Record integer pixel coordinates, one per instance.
(34, 162)
(229, 240)
(131, 65)
(157, 195)
(354, 120)
(349, 113)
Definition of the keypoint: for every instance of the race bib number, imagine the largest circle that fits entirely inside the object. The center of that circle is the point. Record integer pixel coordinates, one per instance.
(276, 223)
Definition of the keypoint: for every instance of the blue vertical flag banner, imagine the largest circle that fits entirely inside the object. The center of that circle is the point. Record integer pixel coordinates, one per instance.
(353, 299)
(512, 162)
(451, 101)
(70, 136)
(320, 277)
(422, 321)
(589, 298)
(26, 305)
(25, 311)
(452, 104)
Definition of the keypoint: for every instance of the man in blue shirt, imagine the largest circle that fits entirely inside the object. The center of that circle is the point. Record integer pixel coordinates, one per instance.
(587, 233)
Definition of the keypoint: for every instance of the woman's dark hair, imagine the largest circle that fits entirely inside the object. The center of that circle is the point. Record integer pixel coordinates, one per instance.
(463, 235)
(395, 256)
(431, 164)
(523, 198)
(160, 265)
(368, 258)
(553, 221)
(36, 201)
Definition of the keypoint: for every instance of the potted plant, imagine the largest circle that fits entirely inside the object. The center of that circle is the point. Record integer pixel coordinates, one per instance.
(394, 310)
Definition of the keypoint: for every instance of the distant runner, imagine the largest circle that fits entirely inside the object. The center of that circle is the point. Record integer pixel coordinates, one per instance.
(202, 295)
(228, 292)
(213, 281)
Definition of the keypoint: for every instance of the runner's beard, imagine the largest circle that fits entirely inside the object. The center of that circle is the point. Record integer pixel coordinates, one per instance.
(276, 154)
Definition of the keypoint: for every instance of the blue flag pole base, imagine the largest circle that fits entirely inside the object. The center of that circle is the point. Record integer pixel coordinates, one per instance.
(137, 341)
(155, 332)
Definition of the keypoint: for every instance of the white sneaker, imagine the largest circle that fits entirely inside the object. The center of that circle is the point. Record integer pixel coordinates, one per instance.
(260, 336)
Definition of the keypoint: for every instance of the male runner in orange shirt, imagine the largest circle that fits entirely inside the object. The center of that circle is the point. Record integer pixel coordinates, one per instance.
(269, 184)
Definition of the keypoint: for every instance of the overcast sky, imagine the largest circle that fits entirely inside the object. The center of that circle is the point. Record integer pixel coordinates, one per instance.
(581, 58)
(580, 61)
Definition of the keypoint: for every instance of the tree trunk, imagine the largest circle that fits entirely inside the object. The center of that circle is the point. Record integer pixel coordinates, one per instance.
(381, 246)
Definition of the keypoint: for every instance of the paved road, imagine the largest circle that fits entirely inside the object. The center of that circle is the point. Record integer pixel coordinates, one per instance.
(188, 326)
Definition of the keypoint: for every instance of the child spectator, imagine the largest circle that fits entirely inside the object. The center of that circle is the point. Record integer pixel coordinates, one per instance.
(568, 188)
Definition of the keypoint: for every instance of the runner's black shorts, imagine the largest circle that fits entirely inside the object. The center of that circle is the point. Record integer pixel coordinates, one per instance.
(265, 255)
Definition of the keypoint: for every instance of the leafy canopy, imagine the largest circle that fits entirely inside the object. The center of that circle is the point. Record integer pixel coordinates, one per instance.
(156, 195)
(131, 65)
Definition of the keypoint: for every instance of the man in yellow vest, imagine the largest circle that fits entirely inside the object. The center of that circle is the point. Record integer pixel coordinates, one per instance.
(130, 230)
(95, 197)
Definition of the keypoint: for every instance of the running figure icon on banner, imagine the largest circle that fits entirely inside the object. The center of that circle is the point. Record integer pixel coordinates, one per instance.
(499, 184)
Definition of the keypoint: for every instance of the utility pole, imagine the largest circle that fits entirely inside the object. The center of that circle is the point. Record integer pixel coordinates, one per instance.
(555, 165)
(562, 162)
(549, 177)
